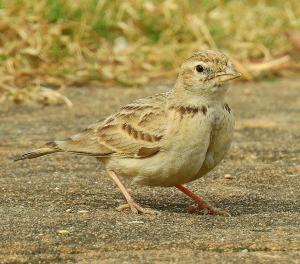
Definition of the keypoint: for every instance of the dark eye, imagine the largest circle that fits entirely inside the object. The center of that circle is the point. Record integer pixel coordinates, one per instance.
(199, 68)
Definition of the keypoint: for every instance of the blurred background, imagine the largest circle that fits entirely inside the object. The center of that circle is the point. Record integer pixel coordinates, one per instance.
(52, 44)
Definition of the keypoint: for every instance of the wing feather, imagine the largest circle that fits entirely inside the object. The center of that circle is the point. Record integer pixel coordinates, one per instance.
(137, 130)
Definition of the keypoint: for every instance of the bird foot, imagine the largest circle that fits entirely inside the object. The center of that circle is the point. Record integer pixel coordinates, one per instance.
(207, 210)
(135, 208)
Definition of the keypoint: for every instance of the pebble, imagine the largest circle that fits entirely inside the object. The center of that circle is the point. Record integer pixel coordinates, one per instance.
(63, 232)
(83, 211)
(228, 177)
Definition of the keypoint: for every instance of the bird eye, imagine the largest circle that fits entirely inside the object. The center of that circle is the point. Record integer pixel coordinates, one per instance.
(199, 68)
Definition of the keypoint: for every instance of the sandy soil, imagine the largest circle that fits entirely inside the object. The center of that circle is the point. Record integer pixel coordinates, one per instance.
(61, 208)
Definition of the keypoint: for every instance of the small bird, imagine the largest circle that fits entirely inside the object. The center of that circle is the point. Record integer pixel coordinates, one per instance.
(168, 139)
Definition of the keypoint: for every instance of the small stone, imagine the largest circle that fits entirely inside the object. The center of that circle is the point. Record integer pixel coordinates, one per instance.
(83, 211)
(245, 250)
(63, 232)
(228, 177)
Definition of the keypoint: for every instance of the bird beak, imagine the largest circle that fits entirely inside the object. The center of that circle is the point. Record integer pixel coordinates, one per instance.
(230, 74)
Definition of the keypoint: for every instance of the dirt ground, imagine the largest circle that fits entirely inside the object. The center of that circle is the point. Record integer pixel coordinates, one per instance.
(61, 208)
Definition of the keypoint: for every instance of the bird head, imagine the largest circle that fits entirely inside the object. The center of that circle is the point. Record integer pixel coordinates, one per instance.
(207, 72)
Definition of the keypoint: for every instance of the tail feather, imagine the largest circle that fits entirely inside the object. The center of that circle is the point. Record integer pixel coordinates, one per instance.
(79, 144)
(49, 148)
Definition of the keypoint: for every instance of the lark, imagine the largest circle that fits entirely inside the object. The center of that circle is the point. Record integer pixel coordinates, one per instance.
(168, 139)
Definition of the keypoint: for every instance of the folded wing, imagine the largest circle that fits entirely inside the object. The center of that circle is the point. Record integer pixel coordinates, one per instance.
(137, 130)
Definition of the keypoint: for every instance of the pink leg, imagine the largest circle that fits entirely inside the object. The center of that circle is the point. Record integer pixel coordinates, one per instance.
(135, 208)
(202, 205)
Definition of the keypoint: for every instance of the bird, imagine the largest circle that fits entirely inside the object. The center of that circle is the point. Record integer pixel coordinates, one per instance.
(168, 139)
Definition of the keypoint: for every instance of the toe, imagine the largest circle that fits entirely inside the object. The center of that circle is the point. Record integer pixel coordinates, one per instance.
(135, 208)
(208, 211)
(122, 207)
(143, 210)
(221, 213)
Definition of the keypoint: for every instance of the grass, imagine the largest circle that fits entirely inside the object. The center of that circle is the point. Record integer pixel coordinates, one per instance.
(57, 43)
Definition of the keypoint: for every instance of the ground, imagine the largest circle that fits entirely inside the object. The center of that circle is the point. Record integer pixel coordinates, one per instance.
(61, 208)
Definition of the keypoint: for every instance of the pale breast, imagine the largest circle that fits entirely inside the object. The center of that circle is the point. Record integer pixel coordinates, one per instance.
(220, 139)
(190, 140)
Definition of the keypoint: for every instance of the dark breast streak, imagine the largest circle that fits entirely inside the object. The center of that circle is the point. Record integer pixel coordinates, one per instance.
(189, 110)
(227, 108)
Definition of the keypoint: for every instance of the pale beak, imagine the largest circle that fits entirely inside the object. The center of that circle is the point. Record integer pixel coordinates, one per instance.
(232, 71)
(230, 74)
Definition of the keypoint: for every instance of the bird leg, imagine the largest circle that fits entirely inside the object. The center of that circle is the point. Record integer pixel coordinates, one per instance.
(202, 205)
(134, 207)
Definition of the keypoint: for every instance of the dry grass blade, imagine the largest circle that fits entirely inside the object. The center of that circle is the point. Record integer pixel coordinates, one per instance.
(57, 43)
(38, 94)
(272, 65)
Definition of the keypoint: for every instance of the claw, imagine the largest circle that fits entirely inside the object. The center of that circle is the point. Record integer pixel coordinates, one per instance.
(135, 208)
(208, 211)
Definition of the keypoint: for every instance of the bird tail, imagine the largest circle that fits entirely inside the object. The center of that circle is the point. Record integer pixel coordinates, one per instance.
(48, 148)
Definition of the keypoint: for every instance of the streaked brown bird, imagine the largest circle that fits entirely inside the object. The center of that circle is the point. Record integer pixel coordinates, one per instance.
(168, 139)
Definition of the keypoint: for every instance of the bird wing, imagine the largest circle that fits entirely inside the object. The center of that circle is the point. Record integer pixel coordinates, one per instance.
(137, 130)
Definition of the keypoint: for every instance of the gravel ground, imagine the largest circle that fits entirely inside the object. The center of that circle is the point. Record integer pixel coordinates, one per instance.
(61, 208)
